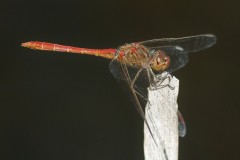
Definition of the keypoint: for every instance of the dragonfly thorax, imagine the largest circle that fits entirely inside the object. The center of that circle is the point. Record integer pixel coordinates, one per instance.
(134, 54)
(139, 56)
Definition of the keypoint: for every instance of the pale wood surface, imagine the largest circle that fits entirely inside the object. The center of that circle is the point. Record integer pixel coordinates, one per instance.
(161, 115)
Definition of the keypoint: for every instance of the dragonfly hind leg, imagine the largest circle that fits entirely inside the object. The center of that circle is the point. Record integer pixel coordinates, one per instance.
(134, 87)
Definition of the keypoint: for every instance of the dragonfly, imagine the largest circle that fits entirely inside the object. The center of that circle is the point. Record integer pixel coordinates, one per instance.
(142, 65)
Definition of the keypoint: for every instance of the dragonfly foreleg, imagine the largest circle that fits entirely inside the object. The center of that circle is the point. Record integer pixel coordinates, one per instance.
(163, 78)
(159, 79)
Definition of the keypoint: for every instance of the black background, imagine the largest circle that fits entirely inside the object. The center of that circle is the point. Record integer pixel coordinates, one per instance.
(66, 106)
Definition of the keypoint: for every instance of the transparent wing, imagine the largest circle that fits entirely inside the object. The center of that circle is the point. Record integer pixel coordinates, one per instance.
(181, 125)
(188, 44)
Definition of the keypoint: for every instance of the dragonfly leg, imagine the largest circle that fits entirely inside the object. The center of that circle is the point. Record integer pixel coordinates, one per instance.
(138, 104)
(153, 79)
(157, 80)
(161, 79)
(142, 96)
(133, 86)
(136, 77)
(132, 83)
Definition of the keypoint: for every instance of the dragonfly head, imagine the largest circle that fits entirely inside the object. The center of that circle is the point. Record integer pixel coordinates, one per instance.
(160, 61)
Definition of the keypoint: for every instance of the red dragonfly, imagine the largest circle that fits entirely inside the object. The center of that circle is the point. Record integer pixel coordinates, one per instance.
(141, 65)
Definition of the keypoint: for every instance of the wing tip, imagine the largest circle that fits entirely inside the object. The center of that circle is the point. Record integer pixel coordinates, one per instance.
(211, 39)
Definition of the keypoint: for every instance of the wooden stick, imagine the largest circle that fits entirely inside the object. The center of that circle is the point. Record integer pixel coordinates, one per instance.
(161, 114)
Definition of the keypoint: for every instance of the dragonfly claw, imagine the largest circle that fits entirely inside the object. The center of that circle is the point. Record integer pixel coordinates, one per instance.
(159, 81)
